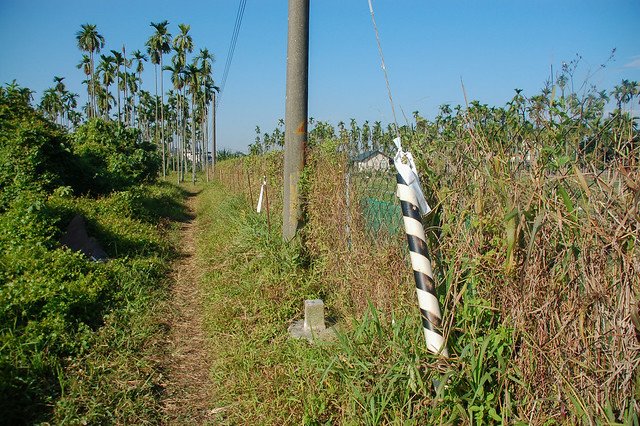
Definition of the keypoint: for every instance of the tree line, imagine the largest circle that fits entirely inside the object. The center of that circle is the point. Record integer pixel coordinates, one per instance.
(595, 125)
(176, 120)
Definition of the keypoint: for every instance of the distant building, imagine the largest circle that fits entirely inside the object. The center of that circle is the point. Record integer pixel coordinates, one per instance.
(372, 161)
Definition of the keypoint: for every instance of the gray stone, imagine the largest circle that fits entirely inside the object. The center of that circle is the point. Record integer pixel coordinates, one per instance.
(313, 325)
(77, 239)
(314, 315)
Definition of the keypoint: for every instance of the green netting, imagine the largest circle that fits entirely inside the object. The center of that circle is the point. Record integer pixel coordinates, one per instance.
(381, 216)
(372, 183)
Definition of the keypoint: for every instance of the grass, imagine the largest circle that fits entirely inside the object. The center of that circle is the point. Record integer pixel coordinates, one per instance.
(120, 380)
(82, 340)
(253, 287)
(376, 372)
(537, 282)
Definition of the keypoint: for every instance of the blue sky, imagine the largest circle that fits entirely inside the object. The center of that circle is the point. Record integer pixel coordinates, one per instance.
(493, 46)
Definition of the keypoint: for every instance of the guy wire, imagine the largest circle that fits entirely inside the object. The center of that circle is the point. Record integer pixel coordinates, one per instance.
(384, 68)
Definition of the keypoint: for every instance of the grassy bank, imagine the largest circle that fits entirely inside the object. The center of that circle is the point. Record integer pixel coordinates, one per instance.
(79, 338)
(376, 371)
(253, 285)
(534, 244)
(507, 365)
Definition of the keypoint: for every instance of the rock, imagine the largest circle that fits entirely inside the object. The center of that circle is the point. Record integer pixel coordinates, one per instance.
(77, 239)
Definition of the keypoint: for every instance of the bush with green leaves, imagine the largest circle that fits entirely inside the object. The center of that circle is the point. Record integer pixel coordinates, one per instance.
(35, 154)
(38, 155)
(61, 314)
(113, 157)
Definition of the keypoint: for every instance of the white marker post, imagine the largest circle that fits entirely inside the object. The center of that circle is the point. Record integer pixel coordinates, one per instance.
(264, 183)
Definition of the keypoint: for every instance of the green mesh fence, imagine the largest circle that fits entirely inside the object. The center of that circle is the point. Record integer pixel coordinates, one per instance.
(372, 181)
(381, 216)
(367, 190)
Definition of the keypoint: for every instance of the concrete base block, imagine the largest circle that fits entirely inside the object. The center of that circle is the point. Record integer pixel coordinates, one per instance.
(313, 325)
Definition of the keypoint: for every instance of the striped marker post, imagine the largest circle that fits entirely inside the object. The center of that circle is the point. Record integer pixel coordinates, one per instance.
(413, 203)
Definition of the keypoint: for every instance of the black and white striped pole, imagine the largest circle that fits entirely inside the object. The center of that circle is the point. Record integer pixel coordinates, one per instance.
(414, 205)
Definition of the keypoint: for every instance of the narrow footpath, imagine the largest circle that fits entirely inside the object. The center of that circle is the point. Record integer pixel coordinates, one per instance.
(188, 389)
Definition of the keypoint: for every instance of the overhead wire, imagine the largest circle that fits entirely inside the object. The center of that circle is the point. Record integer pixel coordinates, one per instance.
(232, 46)
(233, 41)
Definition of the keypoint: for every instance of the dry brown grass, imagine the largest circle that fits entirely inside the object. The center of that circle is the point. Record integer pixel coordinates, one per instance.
(554, 253)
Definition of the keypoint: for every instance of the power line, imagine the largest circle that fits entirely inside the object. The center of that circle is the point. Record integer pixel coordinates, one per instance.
(232, 45)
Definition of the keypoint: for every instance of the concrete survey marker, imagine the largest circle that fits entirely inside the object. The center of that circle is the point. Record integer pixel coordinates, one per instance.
(313, 326)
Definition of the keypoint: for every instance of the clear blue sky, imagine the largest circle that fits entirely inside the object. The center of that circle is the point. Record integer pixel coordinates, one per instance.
(494, 46)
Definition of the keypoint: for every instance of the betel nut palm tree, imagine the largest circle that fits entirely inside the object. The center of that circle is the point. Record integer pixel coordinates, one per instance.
(140, 59)
(193, 78)
(158, 44)
(118, 59)
(107, 71)
(182, 44)
(209, 91)
(177, 78)
(89, 40)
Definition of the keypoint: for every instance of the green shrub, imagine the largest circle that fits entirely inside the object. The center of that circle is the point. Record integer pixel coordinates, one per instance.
(113, 157)
(61, 315)
(36, 154)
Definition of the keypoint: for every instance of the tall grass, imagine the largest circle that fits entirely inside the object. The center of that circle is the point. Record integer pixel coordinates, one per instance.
(376, 371)
(534, 238)
(254, 286)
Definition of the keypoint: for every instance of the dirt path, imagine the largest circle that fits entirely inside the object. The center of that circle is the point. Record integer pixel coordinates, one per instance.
(188, 389)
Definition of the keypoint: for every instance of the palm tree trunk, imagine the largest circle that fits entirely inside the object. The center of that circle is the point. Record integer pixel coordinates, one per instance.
(118, 91)
(193, 143)
(164, 154)
(203, 136)
(206, 138)
(203, 163)
(126, 103)
(178, 113)
(179, 130)
(92, 98)
(184, 138)
(155, 130)
(136, 111)
(106, 111)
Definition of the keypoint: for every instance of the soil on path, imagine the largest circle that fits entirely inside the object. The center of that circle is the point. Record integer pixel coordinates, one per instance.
(188, 392)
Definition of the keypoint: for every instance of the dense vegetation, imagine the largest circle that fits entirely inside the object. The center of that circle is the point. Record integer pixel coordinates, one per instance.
(534, 238)
(178, 127)
(70, 325)
(63, 317)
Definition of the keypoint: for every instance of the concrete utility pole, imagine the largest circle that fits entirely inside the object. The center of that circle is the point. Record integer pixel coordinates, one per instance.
(295, 136)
